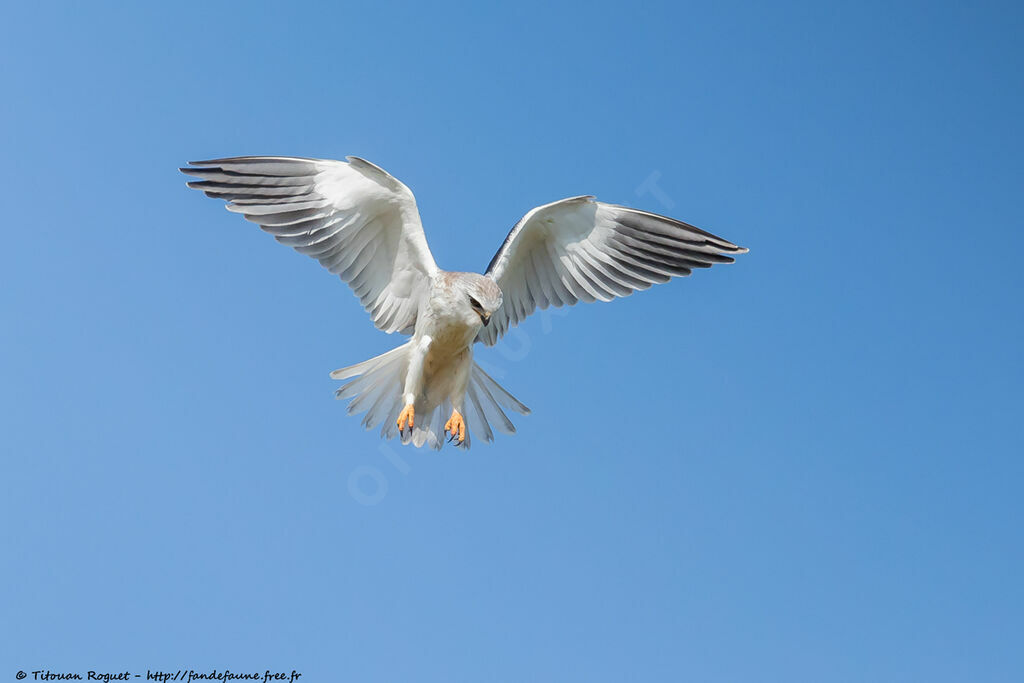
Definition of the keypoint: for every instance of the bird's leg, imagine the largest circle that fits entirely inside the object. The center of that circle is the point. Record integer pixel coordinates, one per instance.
(408, 415)
(413, 382)
(457, 426)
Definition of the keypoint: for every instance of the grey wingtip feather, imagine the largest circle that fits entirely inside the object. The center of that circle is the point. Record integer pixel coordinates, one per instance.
(589, 198)
(359, 161)
(251, 158)
(373, 169)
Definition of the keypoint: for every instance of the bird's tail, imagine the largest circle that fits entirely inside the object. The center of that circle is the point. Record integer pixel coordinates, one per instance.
(485, 399)
(375, 387)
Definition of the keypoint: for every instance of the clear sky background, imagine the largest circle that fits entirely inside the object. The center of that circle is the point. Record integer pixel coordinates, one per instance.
(806, 466)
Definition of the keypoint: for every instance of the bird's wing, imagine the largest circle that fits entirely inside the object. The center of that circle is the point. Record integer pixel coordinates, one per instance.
(361, 223)
(579, 249)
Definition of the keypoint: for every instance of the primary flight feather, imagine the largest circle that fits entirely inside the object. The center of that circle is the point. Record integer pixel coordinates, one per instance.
(362, 224)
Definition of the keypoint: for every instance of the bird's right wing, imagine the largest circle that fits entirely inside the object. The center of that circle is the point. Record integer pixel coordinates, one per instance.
(361, 223)
(579, 249)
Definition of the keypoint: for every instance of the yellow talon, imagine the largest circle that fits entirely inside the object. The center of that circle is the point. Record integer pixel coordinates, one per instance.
(407, 415)
(457, 426)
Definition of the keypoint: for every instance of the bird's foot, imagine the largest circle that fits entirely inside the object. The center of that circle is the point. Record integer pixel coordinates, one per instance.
(407, 415)
(457, 426)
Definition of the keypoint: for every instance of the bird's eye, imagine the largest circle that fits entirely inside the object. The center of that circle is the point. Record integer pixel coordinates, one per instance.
(474, 303)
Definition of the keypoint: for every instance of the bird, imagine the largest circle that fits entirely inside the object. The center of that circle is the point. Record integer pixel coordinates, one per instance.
(362, 224)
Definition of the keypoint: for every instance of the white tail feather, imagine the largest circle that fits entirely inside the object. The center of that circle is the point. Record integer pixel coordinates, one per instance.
(376, 385)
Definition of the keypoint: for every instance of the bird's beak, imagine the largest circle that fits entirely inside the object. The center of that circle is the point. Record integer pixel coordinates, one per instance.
(486, 318)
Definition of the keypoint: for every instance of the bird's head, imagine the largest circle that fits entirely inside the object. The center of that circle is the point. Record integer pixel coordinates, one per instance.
(482, 296)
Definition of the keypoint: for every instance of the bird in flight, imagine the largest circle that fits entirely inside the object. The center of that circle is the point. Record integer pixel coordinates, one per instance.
(362, 224)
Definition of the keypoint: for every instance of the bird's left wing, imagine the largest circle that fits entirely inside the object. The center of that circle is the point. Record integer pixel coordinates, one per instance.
(579, 249)
(361, 223)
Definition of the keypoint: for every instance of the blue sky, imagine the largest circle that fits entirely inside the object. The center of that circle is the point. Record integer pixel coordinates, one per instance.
(802, 467)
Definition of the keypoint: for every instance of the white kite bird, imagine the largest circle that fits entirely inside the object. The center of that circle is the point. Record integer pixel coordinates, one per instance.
(362, 224)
